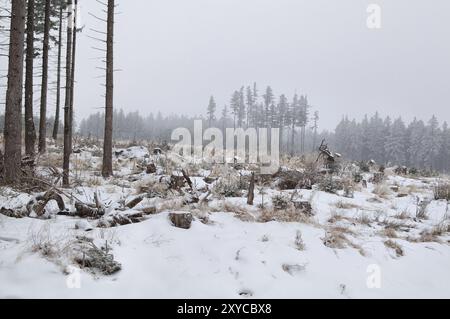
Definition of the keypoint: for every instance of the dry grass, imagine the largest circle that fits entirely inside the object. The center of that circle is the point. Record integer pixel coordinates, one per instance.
(365, 219)
(336, 217)
(439, 230)
(404, 215)
(299, 243)
(170, 205)
(289, 215)
(345, 205)
(389, 232)
(397, 225)
(94, 181)
(336, 238)
(239, 211)
(395, 246)
(432, 235)
(382, 190)
(153, 189)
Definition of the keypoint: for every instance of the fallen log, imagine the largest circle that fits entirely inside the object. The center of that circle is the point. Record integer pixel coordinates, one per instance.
(12, 213)
(40, 202)
(187, 178)
(133, 203)
(86, 211)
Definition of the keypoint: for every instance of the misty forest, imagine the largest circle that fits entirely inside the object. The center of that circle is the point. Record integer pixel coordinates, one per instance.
(106, 205)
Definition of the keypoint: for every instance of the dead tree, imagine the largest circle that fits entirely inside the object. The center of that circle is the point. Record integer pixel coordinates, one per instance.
(67, 136)
(30, 130)
(44, 86)
(107, 142)
(13, 110)
(58, 75)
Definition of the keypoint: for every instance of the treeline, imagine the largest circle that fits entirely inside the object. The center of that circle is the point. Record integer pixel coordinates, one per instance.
(388, 142)
(419, 144)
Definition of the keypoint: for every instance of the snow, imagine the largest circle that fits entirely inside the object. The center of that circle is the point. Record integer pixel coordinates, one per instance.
(224, 256)
(221, 261)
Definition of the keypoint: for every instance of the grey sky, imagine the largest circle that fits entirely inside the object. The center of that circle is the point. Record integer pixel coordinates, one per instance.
(176, 53)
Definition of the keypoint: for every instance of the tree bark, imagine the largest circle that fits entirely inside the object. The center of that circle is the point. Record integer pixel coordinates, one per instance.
(107, 142)
(44, 87)
(251, 190)
(67, 137)
(30, 130)
(13, 110)
(72, 89)
(58, 76)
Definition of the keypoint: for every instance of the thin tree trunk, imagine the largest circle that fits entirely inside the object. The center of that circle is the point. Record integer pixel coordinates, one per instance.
(58, 76)
(30, 130)
(292, 141)
(13, 110)
(107, 142)
(44, 87)
(67, 136)
(72, 89)
(251, 190)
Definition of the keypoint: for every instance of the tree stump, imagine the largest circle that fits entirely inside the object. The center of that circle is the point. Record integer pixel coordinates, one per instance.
(151, 169)
(181, 219)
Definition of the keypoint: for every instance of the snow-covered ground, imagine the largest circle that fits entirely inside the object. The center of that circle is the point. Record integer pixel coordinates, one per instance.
(352, 247)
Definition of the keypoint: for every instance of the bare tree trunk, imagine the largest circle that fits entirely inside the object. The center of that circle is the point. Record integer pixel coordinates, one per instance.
(67, 136)
(58, 76)
(44, 87)
(13, 110)
(292, 140)
(303, 138)
(107, 142)
(30, 131)
(251, 190)
(72, 89)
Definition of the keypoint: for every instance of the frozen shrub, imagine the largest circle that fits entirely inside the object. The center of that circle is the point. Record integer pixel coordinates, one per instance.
(442, 191)
(229, 187)
(349, 188)
(364, 166)
(357, 177)
(331, 185)
(280, 202)
(377, 178)
(421, 209)
(97, 260)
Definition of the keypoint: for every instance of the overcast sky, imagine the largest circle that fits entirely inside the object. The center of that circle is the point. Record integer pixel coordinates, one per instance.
(176, 53)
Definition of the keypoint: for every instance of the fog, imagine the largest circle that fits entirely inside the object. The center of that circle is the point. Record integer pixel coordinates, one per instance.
(174, 54)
